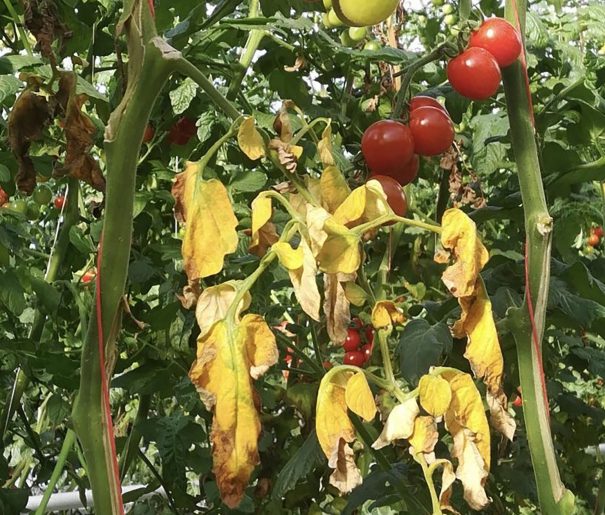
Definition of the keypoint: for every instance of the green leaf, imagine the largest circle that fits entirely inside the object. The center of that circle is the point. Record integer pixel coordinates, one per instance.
(420, 347)
(181, 97)
(48, 297)
(9, 86)
(300, 465)
(580, 311)
(11, 293)
(249, 182)
(5, 173)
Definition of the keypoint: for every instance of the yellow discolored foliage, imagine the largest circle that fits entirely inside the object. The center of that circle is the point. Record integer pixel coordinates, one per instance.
(342, 388)
(263, 231)
(364, 204)
(434, 394)
(337, 307)
(340, 252)
(250, 140)
(425, 436)
(334, 189)
(214, 302)
(399, 424)
(385, 314)
(211, 224)
(228, 359)
(459, 237)
(289, 257)
(324, 147)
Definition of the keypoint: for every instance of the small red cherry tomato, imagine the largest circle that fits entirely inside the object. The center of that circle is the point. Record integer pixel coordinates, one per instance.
(387, 145)
(355, 358)
(424, 101)
(353, 340)
(500, 39)
(59, 202)
(394, 192)
(474, 74)
(433, 131)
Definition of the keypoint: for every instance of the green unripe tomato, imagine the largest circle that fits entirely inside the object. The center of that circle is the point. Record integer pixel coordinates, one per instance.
(447, 9)
(327, 4)
(42, 195)
(334, 20)
(454, 31)
(363, 13)
(372, 46)
(358, 34)
(325, 19)
(438, 3)
(450, 19)
(18, 206)
(33, 211)
(422, 20)
(345, 39)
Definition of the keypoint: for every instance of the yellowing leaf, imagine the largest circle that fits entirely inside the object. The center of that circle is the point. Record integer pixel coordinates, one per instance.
(316, 219)
(364, 204)
(334, 428)
(336, 307)
(213, 303)
(434, 394)
(359, 397)
(290, 258)
(305, 283)
(399, 424)
(226, 358)
(385, 314)
(425, 436)
(324, 147)
(333, 188)
(484, 353)
(340, 251)
(211, 224)
(356, 295)
(250, 140)
(264, 234)
(471, 470)
(459, 236)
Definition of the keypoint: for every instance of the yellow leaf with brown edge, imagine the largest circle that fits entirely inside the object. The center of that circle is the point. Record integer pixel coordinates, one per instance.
(340, 251)
(334, 189)
(334, 428)
(324, 147)
(250, 140)
(210, 232)
(425, 437)
(484, 353)
(336, 306)
(215, 301)
(459, 237)
(385, 314)
(228, 358)
(304, 281)
(264, 234)
(434, 394)
(399, 424)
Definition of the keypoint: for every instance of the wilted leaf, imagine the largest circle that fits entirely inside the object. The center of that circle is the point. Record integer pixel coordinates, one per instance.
(336, 307)
(340, 251)
(213, 303)
(324, 147)
(289, 257)
(434, 394)
(334, 428)
(364, 204)
(190, 295)
(211, 224)
(471, 470)
(425, 437)
(334, 189)
(227, 360)
(43, 20)
(250, 140)
(264, 234)
(484, 353)
(459, 236)
(399, 424)
(385, 314)
(304, 281)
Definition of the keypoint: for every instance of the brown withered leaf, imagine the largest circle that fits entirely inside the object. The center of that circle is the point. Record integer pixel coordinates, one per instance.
(27, 120)
(298, 64)
(282, 123)
(42, 19)
(191, 293)
(336, 306)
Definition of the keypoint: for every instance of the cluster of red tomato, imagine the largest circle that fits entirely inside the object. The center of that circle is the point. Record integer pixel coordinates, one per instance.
(359, 344)
(391, 149)
(475, 73)
(179, 134)
(596, 235)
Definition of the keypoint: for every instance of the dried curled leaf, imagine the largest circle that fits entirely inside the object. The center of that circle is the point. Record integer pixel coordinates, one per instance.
(228, 358)
(339, 390)
(336, 307)
(324, 147)
(264, 234)
(385, 314)
(459, 236)
(304, 281)
(250, 140)
(211, 224)
(424, 438)
(399, 424)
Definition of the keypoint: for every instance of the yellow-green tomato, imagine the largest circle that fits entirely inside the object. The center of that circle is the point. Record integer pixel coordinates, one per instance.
(450, 19)
(334, 20)
(328, 4)
(345, 39)
(364, 13)
(358, 34)
(372, 46)
(447, 9)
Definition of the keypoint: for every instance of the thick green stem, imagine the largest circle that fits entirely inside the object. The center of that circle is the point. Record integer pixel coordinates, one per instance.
(150, 63)
(68, 444)
(428, 478)
(528, 330)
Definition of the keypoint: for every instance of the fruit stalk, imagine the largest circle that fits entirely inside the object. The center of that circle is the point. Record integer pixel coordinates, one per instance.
(149, 63)
(527, 323)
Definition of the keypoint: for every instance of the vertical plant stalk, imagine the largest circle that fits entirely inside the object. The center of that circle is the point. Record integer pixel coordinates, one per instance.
(528, 321)
(149, 64)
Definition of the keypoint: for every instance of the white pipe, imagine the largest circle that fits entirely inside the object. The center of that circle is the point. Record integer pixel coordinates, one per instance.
(597, 450)
(71, 500)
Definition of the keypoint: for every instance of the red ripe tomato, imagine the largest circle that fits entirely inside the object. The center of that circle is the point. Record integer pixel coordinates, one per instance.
(474, 74)
(327, 365)
(3, 197)
(149, 133)
(88, 276)
(355, 358)
(518, 402)
(59, 202)
(593, 240)
(424, 101)
(408, 172)
(353, 340)
(598, 231)
(367, 352)
(500, 39)
(369, 335)
(395, 195)
(387, 146)
(356, 323)
(433, 131)
(182, 131)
